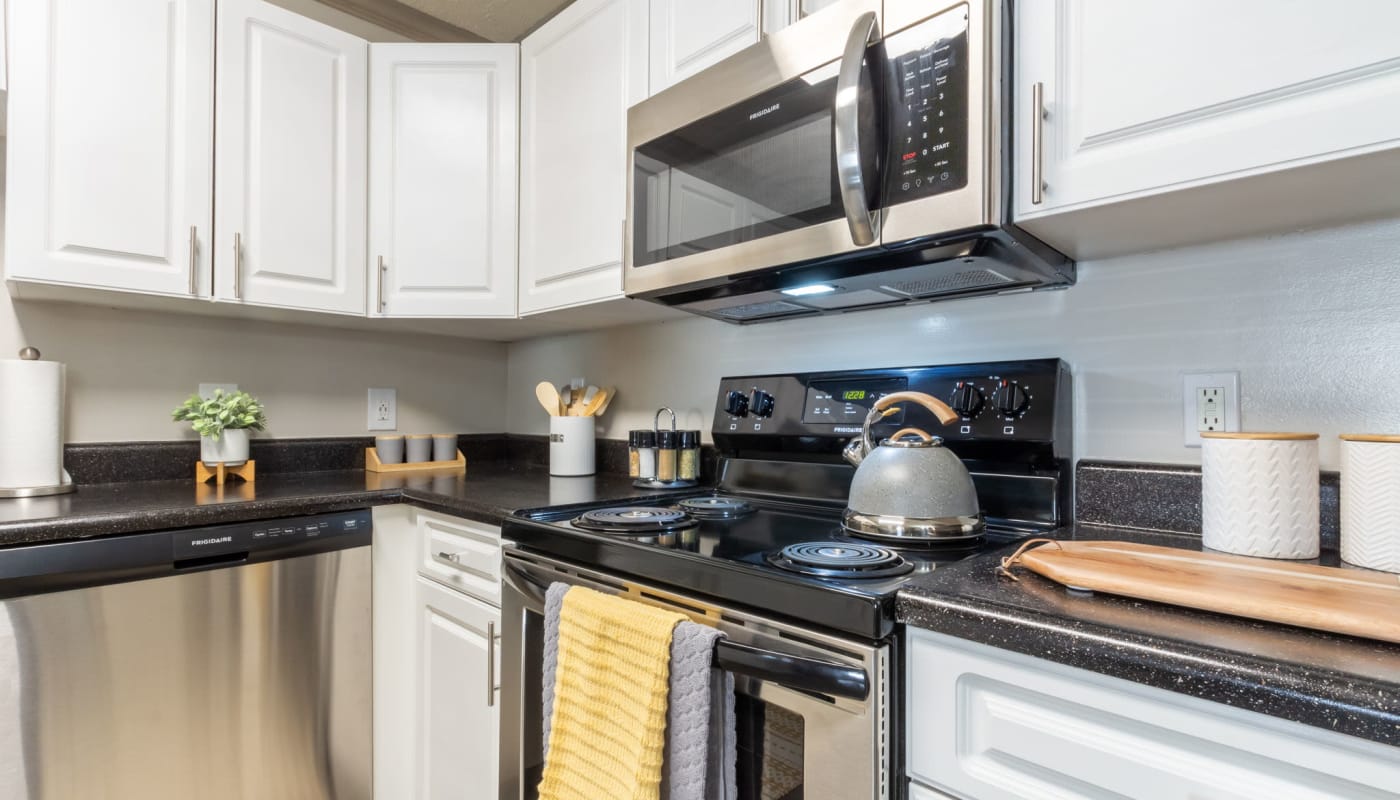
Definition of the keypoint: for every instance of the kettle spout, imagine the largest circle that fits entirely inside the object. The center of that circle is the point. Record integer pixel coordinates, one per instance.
(855, 451)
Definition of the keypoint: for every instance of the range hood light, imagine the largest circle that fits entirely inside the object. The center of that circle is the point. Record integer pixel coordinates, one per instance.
(809, 289)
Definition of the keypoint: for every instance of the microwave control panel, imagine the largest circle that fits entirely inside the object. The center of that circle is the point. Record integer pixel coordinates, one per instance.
(927, 77)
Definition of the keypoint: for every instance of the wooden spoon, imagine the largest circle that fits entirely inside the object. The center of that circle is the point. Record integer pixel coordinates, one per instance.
(600, 402)
(548, 397)
(582, 400)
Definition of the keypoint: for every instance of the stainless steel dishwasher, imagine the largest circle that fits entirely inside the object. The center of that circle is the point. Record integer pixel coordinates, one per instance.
(216, 662)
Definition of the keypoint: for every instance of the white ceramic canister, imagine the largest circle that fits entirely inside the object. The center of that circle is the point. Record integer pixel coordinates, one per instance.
(571, 443)
(1371, 501)
(1259, 494)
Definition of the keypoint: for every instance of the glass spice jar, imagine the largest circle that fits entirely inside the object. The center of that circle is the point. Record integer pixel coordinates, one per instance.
(634, 454)
(646, 455)
(666, 455)
(689, 466)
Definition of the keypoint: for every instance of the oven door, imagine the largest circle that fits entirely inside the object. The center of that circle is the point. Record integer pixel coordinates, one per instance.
(788, 738)
(768, 158)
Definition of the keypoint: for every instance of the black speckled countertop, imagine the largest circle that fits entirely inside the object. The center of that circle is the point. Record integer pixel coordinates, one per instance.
(487, 492)
(1330, 681)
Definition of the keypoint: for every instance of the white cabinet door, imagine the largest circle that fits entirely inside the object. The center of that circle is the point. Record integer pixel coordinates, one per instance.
(579, 73)
(458, 681)
(442, 208)
(291, 160)
(689, 35)
(1142, 98)
(778, 14)
(110, 143)
(996, 725)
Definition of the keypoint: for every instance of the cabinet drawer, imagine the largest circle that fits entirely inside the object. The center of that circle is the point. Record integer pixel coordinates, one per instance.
(462, 554)
(991, 724)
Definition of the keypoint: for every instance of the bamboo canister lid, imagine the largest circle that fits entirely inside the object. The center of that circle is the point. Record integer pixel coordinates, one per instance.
(1371, 437)
(1274, 437)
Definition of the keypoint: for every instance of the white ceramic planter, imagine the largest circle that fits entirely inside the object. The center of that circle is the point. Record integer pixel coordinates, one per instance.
(1259, 494)
(231, 449)
(1371, 501)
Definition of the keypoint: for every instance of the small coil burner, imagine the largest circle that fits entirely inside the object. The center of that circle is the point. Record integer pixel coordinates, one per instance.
(634, 519)
(715, 507)
(840, 560)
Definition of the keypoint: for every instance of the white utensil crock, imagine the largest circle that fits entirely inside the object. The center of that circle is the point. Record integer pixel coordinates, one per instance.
(571, 444)
(1371, 501)
(1259, 494)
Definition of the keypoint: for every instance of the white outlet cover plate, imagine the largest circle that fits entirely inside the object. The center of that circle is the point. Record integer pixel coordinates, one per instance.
(388, 421)
(206, 390)
(1190, 382)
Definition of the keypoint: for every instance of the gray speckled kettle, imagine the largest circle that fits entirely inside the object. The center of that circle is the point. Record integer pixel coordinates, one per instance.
(909, 487)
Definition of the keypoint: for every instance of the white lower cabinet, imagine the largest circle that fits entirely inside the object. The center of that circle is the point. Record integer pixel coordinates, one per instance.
(989, 724)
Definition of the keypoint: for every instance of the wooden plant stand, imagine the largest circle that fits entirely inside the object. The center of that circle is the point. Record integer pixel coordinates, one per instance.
(247, 471)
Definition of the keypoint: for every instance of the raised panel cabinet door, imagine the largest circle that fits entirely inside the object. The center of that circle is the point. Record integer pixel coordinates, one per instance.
(110, 163)
(291, 159)
(579, 73)
(689, 35)
(1142, 98)
(778, 14)
(458, 682)
(442, 186)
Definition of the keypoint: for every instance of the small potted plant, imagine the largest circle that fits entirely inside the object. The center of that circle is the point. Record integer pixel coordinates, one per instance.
(222, 422)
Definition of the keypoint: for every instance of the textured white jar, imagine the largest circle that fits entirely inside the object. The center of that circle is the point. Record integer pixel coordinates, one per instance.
(1371, 501)
(1259, 494)
(571, 443)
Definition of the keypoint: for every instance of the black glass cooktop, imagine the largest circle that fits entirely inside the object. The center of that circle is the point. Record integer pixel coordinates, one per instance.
(788, 558)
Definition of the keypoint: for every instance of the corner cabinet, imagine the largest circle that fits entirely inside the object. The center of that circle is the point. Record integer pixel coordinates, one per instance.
(291, 159)
(995, 725)
(687, 36)
(110, 172)
(442, 186)
(579, 73)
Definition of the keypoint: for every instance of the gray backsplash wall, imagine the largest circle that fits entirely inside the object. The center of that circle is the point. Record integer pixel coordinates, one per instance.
(1311, 319)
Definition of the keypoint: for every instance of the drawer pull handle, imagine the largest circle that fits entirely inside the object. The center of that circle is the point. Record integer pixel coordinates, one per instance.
(455, 558)
(490, 664)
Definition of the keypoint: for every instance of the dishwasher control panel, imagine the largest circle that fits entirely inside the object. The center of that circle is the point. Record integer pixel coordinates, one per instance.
(246, 537)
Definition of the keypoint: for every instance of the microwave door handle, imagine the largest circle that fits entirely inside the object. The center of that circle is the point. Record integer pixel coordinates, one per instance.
(846, 116)
(794, 672)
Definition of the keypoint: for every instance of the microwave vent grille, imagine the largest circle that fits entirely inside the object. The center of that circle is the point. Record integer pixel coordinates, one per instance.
(755, 310)
(956, 282)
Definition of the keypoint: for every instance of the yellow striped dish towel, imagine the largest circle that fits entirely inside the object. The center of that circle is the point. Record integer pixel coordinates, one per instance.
(608, 730)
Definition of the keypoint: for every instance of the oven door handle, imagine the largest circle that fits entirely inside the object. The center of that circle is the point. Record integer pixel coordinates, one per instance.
(846, 115)
(794, 672)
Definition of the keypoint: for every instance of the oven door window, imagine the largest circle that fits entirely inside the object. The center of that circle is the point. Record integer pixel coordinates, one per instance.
(759, 168)
(771, 742)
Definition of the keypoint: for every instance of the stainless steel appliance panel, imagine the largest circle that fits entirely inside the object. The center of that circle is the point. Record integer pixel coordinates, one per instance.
(243, 682)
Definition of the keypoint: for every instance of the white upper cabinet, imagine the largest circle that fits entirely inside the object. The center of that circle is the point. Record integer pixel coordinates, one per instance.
(778, 14)
(110, 143)
(1146, 98)
(442, 207)
(579, 74)
(291, 158)
(689, 35)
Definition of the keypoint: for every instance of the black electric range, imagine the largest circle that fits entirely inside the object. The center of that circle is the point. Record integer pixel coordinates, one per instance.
(769, 535)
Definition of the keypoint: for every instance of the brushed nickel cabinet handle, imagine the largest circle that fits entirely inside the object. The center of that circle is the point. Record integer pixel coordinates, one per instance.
(238, 266)
(453, 557)
(1037, 143)
(490, 664)
(194, 259)
(382, 270)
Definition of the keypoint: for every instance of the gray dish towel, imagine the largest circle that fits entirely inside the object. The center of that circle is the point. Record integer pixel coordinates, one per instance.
(701, 746)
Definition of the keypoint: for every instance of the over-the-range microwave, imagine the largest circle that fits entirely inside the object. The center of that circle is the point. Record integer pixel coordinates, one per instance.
(858, 158)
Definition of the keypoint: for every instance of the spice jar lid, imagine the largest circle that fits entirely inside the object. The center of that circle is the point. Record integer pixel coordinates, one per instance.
(666, 440)
(690, 440)
(643, 438)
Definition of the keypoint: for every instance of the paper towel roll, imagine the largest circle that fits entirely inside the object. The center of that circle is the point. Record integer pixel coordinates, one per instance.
(31, 423)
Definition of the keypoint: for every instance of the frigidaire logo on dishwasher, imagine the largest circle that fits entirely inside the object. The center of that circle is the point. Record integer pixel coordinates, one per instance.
(214, 540)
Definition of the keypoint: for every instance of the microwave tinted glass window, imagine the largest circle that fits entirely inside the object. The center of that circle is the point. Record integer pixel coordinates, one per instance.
(758, 168)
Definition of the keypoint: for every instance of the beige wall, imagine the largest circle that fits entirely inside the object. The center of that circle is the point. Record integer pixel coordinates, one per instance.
(1311, 320)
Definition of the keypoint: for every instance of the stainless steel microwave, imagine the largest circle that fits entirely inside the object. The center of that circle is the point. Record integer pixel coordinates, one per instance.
(858, 158)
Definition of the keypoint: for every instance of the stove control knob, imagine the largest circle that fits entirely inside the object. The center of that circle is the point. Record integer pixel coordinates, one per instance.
(967, 400)
(1011, 400)
(737, 404)
(761, 403)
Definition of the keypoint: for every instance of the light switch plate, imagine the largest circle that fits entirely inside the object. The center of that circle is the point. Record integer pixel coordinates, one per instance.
(1209, 401)
(383, 409)
(206, 390)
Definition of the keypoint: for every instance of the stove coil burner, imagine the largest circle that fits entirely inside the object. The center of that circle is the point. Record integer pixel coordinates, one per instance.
(715, 507)
(840, 560)
(634, 519)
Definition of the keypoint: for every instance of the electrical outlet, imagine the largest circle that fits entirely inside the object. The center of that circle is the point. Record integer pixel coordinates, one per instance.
(1210, 402)
(206, 390)
(383, 410)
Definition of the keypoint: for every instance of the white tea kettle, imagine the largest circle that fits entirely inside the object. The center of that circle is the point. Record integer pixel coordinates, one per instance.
(909, 487)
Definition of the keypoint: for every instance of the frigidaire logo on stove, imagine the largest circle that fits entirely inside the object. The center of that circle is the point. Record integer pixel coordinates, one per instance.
(765, 111)
(215, 540)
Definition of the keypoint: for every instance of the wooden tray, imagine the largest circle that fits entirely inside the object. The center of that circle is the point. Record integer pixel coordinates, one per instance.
(1353, 602)
(372, 464)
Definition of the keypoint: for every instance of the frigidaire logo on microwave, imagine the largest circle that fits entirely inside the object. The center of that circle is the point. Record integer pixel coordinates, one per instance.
(765, 111)
(214, 540)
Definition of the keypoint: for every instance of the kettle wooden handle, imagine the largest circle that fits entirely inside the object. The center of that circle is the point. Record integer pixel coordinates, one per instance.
(939, 408)
(911, 432)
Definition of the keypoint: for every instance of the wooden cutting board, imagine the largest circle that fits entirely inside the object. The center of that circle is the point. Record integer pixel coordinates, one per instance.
(1365, 604)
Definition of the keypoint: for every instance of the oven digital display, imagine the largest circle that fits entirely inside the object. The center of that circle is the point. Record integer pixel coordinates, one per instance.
(847, 402)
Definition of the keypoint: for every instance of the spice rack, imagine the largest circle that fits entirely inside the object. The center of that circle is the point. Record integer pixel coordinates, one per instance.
(663, 459)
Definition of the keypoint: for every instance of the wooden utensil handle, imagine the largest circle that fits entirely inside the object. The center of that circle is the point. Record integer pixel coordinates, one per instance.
(940, 409)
